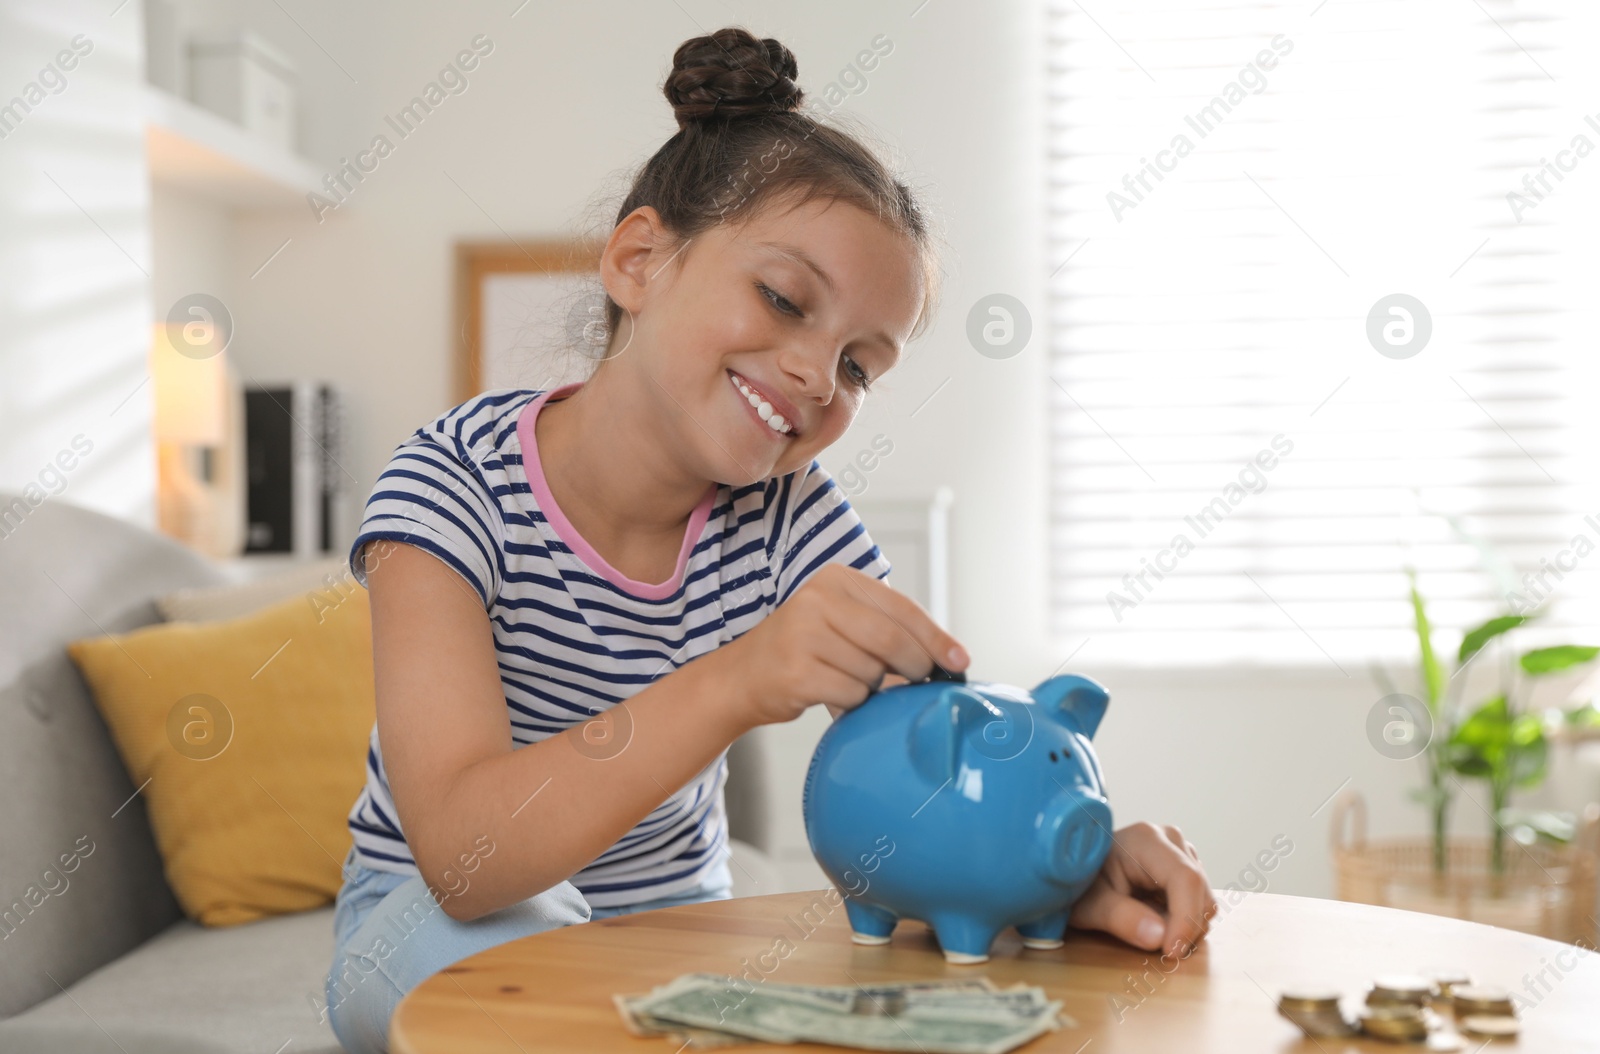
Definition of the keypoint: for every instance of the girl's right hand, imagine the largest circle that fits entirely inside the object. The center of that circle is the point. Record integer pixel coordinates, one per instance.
(832, 642)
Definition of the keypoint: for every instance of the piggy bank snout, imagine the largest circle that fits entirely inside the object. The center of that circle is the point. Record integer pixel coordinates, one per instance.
(1077, 838)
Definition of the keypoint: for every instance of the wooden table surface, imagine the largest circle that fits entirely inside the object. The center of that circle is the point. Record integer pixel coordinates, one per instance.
(552, 992)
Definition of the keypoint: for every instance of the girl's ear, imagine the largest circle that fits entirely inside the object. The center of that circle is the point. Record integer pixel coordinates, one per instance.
(634, 254)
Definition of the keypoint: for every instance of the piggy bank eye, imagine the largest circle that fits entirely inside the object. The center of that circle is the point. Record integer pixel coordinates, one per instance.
(1052, 755)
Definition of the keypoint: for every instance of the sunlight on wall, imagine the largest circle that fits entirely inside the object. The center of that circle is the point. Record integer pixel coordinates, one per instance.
(74, 258)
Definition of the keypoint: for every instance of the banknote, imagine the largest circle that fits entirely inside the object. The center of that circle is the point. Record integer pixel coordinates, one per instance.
(969, 1016)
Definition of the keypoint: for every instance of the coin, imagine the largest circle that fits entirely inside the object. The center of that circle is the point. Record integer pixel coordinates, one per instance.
(1481, 999)
(1325, 1024)
(1315, 1011)
(1448, 982)
(1394, 1022)
(1400, 988)
(1309, 1000)
(1490, 1025)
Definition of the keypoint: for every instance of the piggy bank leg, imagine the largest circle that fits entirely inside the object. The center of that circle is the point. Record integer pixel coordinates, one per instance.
(964, 940)
(1044, 932)
(869, 924)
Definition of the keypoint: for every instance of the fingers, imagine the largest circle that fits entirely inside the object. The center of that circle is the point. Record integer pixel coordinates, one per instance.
(1106, 908)
(845, 653)
(1175, 836)
(1165, 861)
(839, 690)
(895, 628)
(1189, 910)
(1145, 857)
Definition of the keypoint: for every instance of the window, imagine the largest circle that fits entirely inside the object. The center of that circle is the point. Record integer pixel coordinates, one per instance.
(1239, 472)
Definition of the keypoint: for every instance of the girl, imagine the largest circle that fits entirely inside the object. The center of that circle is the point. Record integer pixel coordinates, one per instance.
(655, 548)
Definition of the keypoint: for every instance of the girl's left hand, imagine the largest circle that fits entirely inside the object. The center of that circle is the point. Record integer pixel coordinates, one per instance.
(1148, 863)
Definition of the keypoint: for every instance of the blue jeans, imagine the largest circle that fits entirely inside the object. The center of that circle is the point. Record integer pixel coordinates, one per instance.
(389, 934)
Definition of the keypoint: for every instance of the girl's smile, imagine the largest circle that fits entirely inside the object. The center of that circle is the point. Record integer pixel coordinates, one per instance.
(771, 412)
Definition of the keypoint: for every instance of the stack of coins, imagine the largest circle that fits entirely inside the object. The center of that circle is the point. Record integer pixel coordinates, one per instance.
(1396, 1022)
(1315, 1011)
(1397, 1008)
(1484, 1011)
(1400, 1009)
(1400, 990)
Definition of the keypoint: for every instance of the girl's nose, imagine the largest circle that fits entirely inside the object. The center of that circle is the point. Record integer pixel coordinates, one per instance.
(811, 371)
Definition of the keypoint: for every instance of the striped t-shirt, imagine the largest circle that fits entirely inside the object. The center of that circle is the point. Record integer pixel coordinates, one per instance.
(573, 635)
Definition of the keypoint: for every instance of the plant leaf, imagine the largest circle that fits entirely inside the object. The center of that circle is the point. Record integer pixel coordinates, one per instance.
(1557, 827)
(1479, 745)
(1528, 751)
(1471, 765)
(1474, 641)
(1433, 677)
(1561, 657)
(1585, 716)
(1489, 723)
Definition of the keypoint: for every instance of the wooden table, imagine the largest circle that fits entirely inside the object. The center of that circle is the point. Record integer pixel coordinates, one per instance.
(552, 992)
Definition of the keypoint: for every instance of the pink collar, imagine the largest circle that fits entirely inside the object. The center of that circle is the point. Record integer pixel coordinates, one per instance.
(567, 533)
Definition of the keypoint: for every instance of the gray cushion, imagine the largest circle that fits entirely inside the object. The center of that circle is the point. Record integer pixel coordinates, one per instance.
(248, 989)
(65, 573)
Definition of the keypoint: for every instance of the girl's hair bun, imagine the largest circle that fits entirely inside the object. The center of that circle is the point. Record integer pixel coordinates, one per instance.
(731, 74)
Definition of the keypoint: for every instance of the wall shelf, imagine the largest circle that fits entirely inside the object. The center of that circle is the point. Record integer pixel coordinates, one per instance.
(196, 150)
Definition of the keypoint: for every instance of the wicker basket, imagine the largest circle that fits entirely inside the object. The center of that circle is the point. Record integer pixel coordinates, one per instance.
(1544, 890)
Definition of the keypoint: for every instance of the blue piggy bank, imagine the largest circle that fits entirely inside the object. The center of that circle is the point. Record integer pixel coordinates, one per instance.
(971, 807)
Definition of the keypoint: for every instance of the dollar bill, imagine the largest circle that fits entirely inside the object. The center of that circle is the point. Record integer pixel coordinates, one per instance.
(969, 1016)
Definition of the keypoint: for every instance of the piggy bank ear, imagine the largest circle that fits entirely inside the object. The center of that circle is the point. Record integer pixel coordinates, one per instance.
(937, 732)
(1078, 698)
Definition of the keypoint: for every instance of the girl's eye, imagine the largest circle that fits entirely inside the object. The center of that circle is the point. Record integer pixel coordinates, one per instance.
(778, 301)
(857, 375)
(853, 370)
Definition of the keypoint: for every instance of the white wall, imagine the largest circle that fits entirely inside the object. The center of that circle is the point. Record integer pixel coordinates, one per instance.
(75, 261)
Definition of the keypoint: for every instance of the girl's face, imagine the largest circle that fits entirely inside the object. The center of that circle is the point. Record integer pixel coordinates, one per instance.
(741, 307)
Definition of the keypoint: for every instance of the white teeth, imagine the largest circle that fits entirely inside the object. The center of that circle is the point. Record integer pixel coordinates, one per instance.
(763, 408)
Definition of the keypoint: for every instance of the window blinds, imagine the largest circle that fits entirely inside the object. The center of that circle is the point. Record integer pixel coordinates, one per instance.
(1320, 309)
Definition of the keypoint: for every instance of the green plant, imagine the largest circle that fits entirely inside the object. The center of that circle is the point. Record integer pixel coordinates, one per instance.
(1436, 795)
(1499, 741)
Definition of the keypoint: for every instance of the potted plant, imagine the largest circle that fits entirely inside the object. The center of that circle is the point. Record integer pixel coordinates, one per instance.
(1549, 887)
(1502, 741)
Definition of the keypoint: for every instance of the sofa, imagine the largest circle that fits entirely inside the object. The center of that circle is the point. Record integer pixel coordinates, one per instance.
(106, 962)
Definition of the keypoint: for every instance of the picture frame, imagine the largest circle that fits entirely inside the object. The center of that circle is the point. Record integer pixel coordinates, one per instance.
(521, 309)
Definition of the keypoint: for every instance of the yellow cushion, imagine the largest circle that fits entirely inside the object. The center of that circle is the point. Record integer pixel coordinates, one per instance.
(252, 733)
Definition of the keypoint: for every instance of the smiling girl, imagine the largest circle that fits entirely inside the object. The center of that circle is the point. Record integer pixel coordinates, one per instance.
(582, 596)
